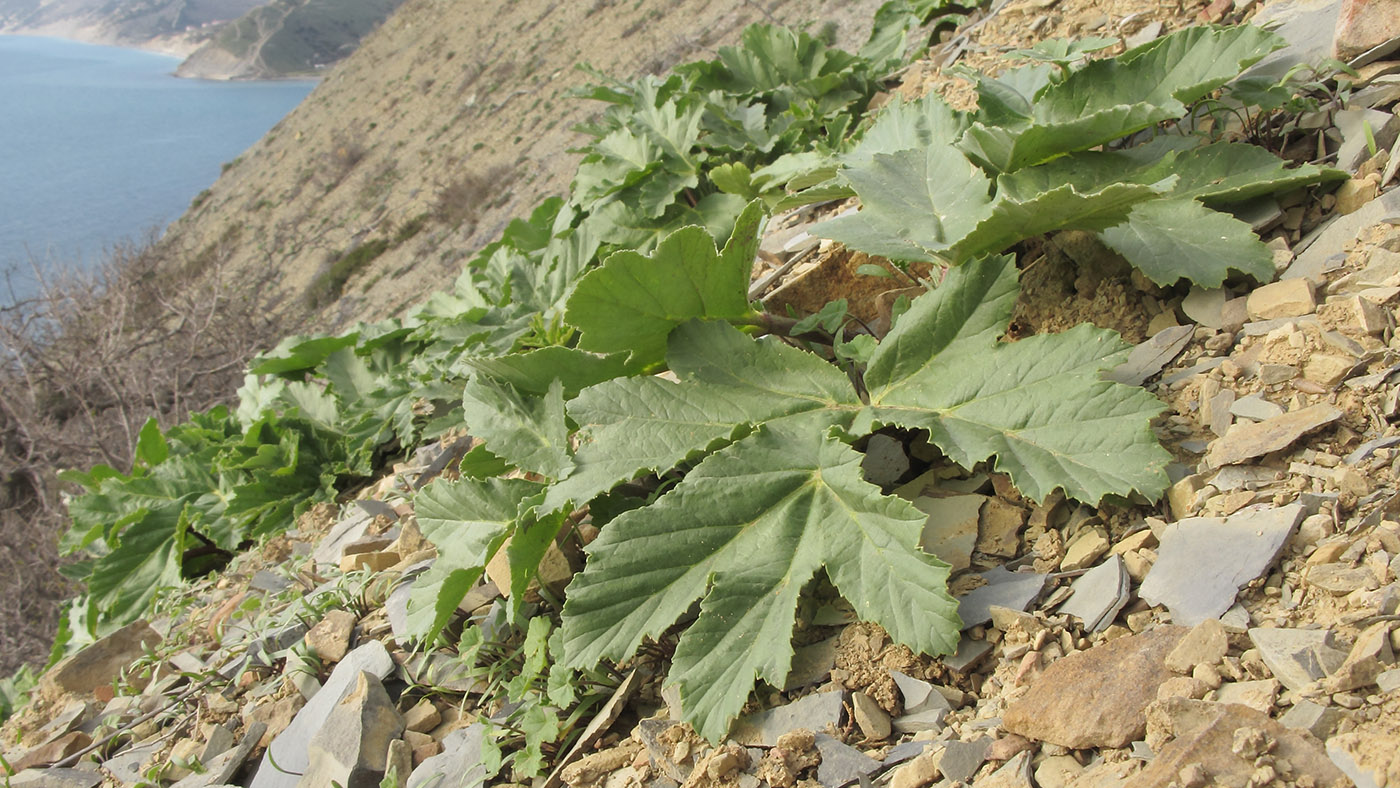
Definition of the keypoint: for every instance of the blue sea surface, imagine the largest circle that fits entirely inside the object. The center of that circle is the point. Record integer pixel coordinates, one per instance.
(98, 145)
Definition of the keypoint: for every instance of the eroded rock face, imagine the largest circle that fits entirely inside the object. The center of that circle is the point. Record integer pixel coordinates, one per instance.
(1096, 698)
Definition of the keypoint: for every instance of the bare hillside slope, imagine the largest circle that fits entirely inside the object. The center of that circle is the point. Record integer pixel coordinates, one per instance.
(448, 121)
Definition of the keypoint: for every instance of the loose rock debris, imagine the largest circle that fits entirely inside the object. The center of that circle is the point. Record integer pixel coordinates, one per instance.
(1242, 634)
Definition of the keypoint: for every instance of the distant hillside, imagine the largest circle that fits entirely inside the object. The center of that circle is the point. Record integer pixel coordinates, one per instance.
(451, 118)
(286, 37)
(176, 26)
(222, 39)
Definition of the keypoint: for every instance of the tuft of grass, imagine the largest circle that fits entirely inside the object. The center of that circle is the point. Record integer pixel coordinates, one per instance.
(411, 228)
(328, 286)
(460, 202)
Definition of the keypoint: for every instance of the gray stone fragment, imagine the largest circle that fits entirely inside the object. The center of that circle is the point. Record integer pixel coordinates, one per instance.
(1203, 562)
(815, 712)
(1236, 619)
(352, 527)
(649, 731)
(884, 461)
(1389, 681)
(1332, 241)
(1201, 366)
(1313, 503)
(1255, 407)
(962, 759)
(1218, 409)
(1247, 441)
(1014, 590)
(128, 767)
(220, 740)
(811, 663)
(1297, 657)
(1365, 450)
(926, 720)
(1306, 25)
(1260, 213)
(1149, 32)
(925, 708)
(1353, 123)
(1237, 477)
(1382, 265)
(55, 778)
(289, 749)
(968, 653)
(1015, 773)
(950, 532)
(1314, 718)
(841, 764)
(907, 751)
(351, 749)
(919, 695)
(396, 604)
(1099, 594)
(1148, 358)
(271, 582)
(221, 768)
(1383, 90)
(376, 508)
(187, 662)
(459, 765)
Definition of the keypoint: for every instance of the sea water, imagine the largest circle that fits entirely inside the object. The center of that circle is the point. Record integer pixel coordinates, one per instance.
(99, 146)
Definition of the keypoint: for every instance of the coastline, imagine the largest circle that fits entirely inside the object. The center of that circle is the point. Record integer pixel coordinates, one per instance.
(177, 47)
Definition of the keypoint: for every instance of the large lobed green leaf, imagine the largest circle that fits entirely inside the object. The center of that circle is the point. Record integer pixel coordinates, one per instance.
(932, 204)
(1171, 239)
(915, 204)
(1110, 98)
(529, 431)
(633, 301)
(467, 521)
(746, 530)
(780, 496)
(1038, 406)
(728, 382)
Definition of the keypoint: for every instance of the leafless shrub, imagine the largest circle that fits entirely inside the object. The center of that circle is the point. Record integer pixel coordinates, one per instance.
(461, 201)
(346, 152)
(83, 365)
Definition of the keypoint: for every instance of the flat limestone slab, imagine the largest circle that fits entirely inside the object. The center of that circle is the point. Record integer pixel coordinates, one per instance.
(1204, 561)
(1247, 441)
